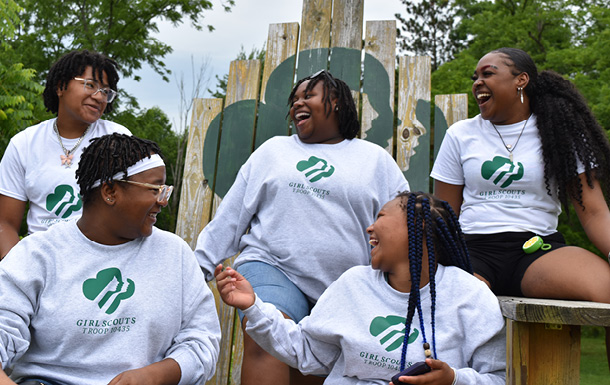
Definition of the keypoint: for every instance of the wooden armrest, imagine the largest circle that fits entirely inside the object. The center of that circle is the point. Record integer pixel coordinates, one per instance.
(553, 311)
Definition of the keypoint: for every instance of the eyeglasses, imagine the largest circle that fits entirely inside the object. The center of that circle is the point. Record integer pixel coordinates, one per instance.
(92, 89)
(327, 75)
(165, 191)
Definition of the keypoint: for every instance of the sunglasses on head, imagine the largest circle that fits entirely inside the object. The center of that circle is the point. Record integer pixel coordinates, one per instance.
(325, 74)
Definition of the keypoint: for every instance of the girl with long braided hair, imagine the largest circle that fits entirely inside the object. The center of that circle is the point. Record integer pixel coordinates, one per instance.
(534, 148)
(108, 298)
(417, 301)
(298, 210)
(37, 169)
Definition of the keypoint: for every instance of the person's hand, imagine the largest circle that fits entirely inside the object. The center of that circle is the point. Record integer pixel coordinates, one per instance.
(234, 289)
(441, 374)
(134, 377)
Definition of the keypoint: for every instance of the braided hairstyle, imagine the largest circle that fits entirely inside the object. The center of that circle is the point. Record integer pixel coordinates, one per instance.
(107, 156)
(334, 88)
(433, 220)
(567, 128)
(74, 64)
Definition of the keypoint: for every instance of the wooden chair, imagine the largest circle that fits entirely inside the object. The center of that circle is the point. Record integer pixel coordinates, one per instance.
(222, 136)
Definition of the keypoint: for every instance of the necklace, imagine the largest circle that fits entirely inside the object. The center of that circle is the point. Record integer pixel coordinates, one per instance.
(66, 160)
(510, 148)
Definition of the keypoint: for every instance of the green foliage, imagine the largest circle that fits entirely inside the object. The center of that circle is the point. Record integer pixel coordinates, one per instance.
(593, 363)
(19, 92)
(427, 29)
(123, 30)
(154, 125)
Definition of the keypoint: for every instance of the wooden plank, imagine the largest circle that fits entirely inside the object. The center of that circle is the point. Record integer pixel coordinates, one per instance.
(378, 83)
(448, 110)
(278, 78)
(315, 37)
(237, 131)
(413, 132)
(196, 196)
(541, 354)
(346, 42)
(553, 311)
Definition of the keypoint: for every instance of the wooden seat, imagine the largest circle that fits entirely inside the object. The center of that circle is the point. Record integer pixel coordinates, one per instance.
(543, 338)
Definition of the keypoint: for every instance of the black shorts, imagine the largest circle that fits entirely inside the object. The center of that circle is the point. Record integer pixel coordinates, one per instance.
(500, 259)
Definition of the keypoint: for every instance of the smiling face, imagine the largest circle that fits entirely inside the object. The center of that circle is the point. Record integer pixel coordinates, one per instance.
(495, 90)
(390, 240)
(310, 118)
(137, 206)
(76, 106)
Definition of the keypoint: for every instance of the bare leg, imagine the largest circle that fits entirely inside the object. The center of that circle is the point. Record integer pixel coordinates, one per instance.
(483, 279)
(570, 273)
(261, 368)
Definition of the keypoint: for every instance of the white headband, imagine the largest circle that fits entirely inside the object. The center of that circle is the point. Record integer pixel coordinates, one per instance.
(140, 166)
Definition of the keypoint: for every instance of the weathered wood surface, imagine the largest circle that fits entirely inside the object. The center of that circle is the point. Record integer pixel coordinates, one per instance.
(448, 110)
(314, 43)
(552, 311)
(413, 132)
(542, 354)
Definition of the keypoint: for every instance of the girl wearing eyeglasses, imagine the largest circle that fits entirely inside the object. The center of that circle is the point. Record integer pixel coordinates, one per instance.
(39, 163)
(108, 298)
(307, 200)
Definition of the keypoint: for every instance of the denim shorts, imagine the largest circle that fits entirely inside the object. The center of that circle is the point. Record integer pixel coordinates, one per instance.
(271, 285)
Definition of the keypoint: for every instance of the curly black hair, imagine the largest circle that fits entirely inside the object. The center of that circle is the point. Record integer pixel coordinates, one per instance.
(74, 64)
(567, 128)
(334, 88)
(107, 156)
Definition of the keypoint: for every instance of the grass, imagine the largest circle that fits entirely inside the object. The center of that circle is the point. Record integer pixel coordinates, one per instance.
(593, 362)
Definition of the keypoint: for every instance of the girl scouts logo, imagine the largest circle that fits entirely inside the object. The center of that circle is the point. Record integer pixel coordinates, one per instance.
(390, 332)
(108, 289)
(504, 170)
(315, 168)
(63, 201)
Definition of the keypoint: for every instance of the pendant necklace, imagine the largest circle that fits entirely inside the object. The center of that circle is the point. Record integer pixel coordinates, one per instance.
(66, 159)
(510, 148)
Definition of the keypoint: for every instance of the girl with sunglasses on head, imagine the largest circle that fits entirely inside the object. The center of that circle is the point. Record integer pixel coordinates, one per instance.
(108, 298)
(39, 163)
(298, 211)
(416, 302)
(535, 147)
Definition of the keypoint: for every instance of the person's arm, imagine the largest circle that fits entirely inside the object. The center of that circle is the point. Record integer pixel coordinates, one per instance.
(165, 372)
(595, 216)
(11, 215)
(451, 193)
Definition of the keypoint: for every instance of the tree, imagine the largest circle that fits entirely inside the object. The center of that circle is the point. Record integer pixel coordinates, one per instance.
(122, 30)
(19, 92)
(221, 82)
(427, 30)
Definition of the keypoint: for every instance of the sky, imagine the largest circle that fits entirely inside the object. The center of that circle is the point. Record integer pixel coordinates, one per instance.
(247, 26)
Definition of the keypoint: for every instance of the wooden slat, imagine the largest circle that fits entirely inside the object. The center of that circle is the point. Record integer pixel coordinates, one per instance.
(315, 37)
(378, 83)
(555, 311)
(346, 42)
(540, 354)
(196, 196)
(278, 78)
(448, 110)
(413, 133)
(235, 146)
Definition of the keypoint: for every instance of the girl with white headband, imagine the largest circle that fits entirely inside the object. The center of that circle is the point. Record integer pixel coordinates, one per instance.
(108, 298)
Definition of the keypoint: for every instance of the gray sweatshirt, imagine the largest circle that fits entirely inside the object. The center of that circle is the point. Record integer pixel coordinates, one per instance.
(355, 331)
(307, 207)
(79, 312)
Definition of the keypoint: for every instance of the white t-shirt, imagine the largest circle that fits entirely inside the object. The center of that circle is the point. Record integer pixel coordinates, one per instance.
(31, 170)
(499, 196)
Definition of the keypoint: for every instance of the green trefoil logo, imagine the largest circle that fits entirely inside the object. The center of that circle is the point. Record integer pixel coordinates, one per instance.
(505, 171)
(63, 201)
(315, 168)
(390, 332)
(108, 289)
